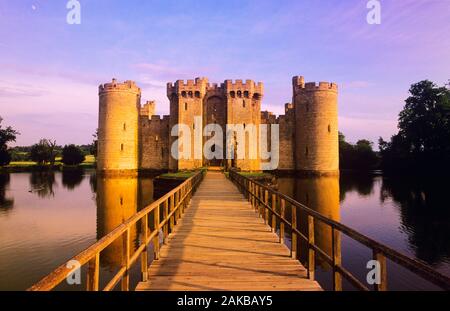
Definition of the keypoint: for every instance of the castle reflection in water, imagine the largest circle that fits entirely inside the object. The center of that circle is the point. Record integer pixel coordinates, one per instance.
(120, 198)
(320, 194)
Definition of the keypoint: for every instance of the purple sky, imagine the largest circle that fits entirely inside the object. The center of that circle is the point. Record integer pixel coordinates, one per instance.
(50, 71)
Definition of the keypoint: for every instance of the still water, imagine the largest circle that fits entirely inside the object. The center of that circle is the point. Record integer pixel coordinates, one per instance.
(46, 218)
(410, 215)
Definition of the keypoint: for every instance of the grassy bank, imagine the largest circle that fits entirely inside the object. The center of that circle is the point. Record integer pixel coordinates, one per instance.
(180, 174)
(256, 175)
(26, 166)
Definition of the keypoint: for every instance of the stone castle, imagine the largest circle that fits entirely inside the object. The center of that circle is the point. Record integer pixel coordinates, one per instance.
(131, 138)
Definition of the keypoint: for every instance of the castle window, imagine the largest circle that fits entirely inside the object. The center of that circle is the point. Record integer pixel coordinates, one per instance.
(306, 151)
(329, 128)
(190, 94)
(124, 126)
(243, 103)
(162, 152)
(197, 94)
(121, 201)
(193, 126)
(244, 125)
(185, 106)
(156, 138)
(232, 94)
(121, 147)
(183, 94)
(256, 96)
(246, 94)
(239, 94)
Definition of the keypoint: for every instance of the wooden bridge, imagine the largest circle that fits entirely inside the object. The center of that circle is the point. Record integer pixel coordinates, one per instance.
(221, 234)
(222, 244)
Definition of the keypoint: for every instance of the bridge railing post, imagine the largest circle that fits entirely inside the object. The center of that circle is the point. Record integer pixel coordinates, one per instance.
(282, 213)
(93, 273)
(337, 259)
(166, 225)
(293, 232)
(253, 195)
(125, 284)
(172, 205)
(144, 255)
(311, 252)
(381, 259)
(266, 203)
(274, 209)
(156, 246)
(177, 206)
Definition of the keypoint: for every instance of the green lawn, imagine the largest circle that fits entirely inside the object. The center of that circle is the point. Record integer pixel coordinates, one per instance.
(22, 163)
(255, 174)
(178, 175)
(88, 162)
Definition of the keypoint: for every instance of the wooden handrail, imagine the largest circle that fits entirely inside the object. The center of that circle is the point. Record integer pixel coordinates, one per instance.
(258, 193)
(177, 199)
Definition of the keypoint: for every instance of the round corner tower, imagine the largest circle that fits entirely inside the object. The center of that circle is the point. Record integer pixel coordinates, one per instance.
(118, 127)
(316, 115)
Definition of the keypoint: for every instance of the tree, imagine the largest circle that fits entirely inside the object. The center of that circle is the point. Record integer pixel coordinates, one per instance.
(5, 157)
(43, 152)
(365, 158)
(6, 135)
(72, 155)
(357, 157)
(422, 142)
(424, 121)
(94, 145)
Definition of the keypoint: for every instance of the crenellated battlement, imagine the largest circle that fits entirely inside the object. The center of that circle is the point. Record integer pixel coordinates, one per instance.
(156, 118)
(127, 86)
(188, 88)
(299, 85)
(248, 86)
(215, 87)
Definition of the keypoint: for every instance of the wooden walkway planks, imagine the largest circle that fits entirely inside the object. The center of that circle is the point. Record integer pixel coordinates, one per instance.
(221, 244)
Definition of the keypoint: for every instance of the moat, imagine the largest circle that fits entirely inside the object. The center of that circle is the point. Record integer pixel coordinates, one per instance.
(46, 218)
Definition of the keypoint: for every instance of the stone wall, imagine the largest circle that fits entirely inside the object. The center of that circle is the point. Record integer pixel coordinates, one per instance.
(287, 139)
(154, 143)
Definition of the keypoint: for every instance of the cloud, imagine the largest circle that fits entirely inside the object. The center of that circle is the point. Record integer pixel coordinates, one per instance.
(47, 72)
(20, 90)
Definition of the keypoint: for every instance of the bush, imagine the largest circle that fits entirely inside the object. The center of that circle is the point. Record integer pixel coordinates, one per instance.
(18, 156)
(42, 152)
(5, 157)
(72, 155)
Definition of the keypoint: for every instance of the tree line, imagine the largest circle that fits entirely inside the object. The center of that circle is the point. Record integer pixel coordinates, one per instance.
(422, 144)
(44, 152)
